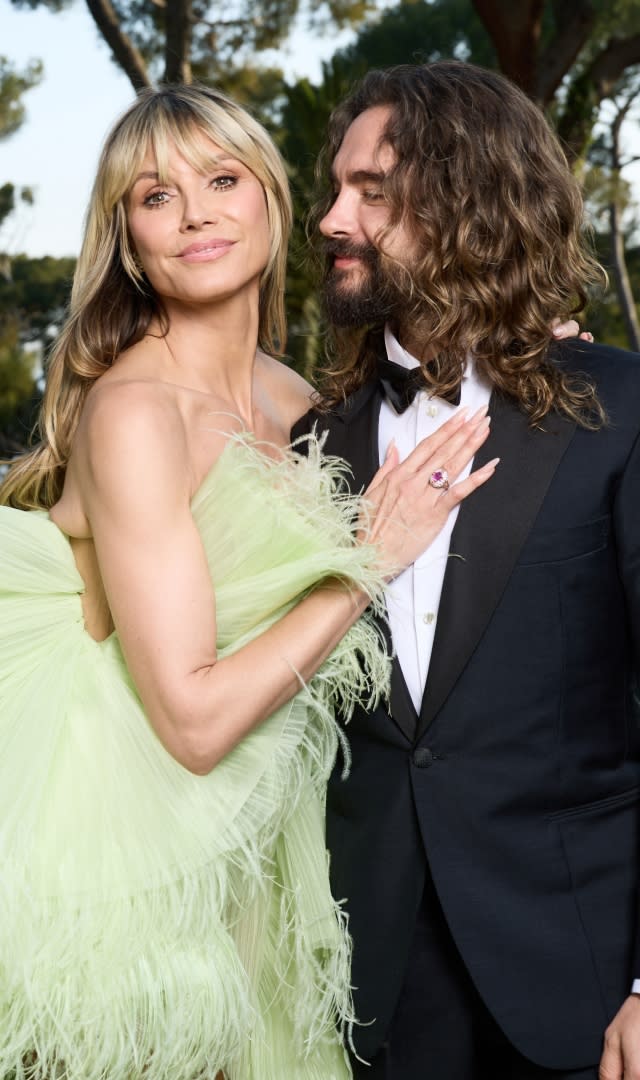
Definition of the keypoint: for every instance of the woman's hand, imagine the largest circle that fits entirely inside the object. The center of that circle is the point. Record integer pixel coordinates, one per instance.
(569, 329)
(404, 509)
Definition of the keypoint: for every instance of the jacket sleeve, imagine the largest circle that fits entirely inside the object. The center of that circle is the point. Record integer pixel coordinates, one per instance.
(627, 531)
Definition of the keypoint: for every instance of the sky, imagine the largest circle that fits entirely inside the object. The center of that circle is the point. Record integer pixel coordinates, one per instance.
(68, 115)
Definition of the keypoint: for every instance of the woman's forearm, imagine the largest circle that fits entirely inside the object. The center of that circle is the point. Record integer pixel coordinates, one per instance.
(221, 703)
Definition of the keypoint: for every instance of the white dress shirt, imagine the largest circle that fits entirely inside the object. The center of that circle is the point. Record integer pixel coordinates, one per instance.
(414, 597)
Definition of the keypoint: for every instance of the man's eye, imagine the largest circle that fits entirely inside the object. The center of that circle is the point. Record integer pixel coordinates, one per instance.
(373, 195)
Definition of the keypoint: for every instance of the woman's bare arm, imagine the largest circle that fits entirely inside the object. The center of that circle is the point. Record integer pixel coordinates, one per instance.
(136, 489)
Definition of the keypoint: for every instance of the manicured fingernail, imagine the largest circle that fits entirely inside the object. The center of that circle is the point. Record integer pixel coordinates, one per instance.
(390, 448)
(494, 461)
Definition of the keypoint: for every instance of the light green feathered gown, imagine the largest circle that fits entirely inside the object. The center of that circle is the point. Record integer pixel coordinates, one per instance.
(153, 923)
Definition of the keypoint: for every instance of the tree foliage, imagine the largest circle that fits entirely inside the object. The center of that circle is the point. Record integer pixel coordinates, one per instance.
(568, 55)
(18, 382)
(609, 198)
(33, 298)
(13, 85)
(179, 40)
(19, 396)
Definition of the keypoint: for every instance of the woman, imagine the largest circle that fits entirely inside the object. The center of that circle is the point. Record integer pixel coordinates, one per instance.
(164, 904)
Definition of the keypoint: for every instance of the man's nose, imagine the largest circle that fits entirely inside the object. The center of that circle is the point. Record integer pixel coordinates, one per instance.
(340, 219)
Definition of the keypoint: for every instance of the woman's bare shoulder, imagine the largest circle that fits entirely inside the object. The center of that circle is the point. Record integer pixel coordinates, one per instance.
(129, 427)
(125, 409)
(126, 428)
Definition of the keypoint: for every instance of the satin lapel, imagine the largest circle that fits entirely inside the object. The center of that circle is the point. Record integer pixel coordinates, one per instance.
(491, 529)
(361, 441)
(354, 436)
(401, 707)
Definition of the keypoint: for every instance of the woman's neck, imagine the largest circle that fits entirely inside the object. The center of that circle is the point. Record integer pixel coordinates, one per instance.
(211, 351)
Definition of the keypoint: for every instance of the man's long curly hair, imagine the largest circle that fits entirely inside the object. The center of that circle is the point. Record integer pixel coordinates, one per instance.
(481, 182)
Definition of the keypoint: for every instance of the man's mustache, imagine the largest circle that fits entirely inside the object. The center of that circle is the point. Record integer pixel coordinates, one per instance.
(348, 249)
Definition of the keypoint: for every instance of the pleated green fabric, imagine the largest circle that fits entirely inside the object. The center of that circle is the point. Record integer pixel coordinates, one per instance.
(153, 923)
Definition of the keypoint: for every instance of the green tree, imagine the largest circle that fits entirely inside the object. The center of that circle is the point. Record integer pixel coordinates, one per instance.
(610, 201)
(13, 85)
(178, 40)
(606, 318)
(33, 298)
(19, 393)
(568, 55)
(18, 381)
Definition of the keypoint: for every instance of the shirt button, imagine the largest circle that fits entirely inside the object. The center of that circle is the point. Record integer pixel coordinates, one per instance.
(428, 618)
(423, 757)
(432, 410)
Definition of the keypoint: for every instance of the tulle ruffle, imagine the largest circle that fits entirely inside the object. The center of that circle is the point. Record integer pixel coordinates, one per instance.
(153, 923)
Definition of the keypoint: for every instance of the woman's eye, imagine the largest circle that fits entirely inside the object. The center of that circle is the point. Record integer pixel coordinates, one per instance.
(223, 183)
(156, 198)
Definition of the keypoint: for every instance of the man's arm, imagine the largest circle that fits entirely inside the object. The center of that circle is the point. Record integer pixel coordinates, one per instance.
(621, 1054)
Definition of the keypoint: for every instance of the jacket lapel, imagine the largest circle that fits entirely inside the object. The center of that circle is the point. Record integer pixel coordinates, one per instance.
(488, 536)
(354, 436)
(359, 434)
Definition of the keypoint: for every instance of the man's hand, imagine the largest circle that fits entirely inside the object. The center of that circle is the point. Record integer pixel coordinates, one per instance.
(621, 1056)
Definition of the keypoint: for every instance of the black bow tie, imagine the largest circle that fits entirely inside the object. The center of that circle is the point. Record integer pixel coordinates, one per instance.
(401, 384)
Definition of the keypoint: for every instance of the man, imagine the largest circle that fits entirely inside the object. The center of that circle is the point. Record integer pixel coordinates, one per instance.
(486, 839)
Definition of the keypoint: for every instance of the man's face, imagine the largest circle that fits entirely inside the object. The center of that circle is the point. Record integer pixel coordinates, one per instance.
(357, 290)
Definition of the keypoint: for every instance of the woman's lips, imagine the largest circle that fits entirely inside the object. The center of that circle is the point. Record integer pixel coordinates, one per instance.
(205, 251)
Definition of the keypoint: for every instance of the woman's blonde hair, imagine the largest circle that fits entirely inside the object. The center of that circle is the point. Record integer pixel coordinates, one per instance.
(112, 304)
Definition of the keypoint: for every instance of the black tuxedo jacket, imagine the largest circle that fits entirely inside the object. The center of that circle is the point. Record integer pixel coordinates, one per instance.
(519, 781)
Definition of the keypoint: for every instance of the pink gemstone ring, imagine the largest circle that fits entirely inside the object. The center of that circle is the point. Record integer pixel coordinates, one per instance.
(439, 479)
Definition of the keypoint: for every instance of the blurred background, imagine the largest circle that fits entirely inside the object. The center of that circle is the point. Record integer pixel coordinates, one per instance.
(68, 67)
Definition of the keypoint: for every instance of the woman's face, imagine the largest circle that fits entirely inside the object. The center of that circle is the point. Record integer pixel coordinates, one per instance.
(203, 236)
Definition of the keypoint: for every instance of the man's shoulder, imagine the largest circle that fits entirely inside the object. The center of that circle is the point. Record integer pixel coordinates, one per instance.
(601, 362)
(335, 417)
(613, 372)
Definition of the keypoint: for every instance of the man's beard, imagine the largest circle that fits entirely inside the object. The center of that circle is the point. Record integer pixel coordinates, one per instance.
(373, 297)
